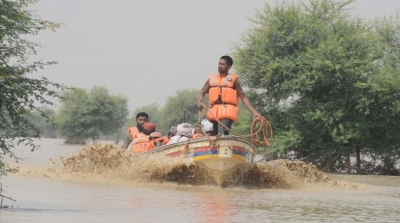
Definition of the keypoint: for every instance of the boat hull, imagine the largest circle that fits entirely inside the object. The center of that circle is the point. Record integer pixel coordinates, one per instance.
(220, 153)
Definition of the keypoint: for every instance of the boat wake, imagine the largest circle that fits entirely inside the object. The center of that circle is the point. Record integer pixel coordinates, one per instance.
(108, 163)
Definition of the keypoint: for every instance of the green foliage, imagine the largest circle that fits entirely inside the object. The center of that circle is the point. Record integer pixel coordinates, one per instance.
(327, 81)
(89, 115)
(182, 107)
(243, 123)
(21, 95)
(44, 123)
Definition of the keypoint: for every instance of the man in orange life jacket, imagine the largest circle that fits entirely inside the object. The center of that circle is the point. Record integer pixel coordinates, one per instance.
(142, 141)
(141, 118)
(224, 91)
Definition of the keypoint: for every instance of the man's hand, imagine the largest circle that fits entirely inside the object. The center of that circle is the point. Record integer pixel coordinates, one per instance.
(200, 105)
(256, 115)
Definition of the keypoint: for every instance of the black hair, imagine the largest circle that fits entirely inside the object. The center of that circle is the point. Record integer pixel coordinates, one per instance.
(142, 114)
(228, 60)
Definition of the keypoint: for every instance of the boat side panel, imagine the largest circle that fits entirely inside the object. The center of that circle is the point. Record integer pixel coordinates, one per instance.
(239, 151)
(174, 154)
(199, 150)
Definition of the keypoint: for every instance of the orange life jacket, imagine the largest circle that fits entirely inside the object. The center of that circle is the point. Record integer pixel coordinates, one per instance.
(164, 140)
(134, 131)
(223, 98)
(151, 145)
(142, 144)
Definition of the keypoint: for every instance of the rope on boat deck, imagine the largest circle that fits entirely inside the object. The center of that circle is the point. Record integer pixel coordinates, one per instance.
(260, 130)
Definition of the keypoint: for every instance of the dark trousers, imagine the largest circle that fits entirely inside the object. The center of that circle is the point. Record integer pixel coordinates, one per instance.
(226, 122)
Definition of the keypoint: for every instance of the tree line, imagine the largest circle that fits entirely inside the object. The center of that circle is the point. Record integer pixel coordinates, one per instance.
(326, 80)
(96, 114)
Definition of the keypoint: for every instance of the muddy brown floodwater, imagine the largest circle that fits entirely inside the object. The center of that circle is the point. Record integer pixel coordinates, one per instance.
(102, 183)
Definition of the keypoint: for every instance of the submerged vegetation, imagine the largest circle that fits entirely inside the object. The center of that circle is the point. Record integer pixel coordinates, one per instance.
(89, 115)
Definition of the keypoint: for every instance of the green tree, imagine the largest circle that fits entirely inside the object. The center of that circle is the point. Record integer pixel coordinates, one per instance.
(120, 115)
(45, 123)
(90, 115)
(326, 80)
(182, 107)
(243, 123)
(72, 119)
(21, 94)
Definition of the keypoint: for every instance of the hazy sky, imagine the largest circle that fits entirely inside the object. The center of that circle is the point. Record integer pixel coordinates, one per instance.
(147, 50)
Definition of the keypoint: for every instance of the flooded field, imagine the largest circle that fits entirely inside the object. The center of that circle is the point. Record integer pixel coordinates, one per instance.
(102, 183)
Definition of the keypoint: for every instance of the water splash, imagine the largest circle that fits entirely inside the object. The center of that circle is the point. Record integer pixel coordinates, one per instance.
(108, 163)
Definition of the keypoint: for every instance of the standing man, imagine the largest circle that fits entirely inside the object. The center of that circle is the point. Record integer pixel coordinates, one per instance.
(133, 132)
(224, 91)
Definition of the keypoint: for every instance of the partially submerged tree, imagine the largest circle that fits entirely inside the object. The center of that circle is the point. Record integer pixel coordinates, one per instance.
(21, 94)
(327, 81)
(90, 115)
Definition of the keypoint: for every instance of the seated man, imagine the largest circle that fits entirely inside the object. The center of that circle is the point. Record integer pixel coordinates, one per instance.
(156, 139)
(172, 132)
(197, 132)
(208, 129)
(149, 128)
(184, 132)
(141, 118)
(165, 139)
(142, 141)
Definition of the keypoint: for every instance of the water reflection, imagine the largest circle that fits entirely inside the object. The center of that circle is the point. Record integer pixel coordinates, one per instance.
(215, 208)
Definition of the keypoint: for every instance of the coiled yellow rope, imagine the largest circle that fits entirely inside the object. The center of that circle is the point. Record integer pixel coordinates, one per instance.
(260, 130)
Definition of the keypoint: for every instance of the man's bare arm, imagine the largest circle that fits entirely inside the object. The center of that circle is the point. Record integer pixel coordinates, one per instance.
(244, 98)
(204, 90)
(128, 139)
